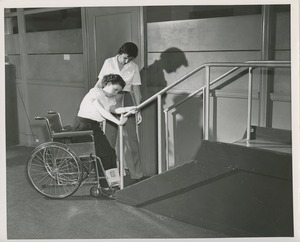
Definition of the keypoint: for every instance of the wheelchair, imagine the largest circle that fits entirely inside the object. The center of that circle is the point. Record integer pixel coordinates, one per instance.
(58, 168)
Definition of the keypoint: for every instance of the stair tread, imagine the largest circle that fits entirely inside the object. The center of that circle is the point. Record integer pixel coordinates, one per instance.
(266, 144)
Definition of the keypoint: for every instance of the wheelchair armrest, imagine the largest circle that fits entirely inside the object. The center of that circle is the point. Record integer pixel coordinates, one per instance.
(72, 134)
(68, 128)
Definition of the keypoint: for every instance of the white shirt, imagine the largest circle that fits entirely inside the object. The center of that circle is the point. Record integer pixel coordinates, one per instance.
(88, 110)
(130, 72)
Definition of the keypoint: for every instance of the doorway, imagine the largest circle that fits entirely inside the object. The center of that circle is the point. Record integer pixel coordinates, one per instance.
(107, 28)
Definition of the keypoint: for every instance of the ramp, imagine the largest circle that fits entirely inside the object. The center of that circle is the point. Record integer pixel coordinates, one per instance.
(237, 190)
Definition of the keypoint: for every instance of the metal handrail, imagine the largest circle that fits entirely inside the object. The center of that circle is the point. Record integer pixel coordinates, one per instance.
(163, 91)
(199, 90)
(212, 64)
(216, 80)
(249, 64)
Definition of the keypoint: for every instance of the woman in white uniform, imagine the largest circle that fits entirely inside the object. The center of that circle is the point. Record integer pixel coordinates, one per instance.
(123, 65)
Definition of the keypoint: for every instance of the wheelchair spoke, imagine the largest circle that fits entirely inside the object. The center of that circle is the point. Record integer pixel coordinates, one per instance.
(54, 170)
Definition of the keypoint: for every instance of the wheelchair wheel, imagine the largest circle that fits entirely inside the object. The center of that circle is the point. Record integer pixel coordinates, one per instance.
(95, 191)
(54, 170)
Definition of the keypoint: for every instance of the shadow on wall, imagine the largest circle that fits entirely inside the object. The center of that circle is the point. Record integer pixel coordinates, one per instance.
(187, 134)
(170, 60)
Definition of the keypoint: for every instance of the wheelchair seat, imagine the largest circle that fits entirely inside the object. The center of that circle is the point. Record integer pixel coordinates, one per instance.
(54, 124)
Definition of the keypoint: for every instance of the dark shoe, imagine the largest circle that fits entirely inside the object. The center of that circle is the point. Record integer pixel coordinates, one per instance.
(109, 193)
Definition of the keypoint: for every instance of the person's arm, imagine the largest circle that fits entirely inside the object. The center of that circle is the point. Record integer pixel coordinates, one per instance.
(125, 109)
(137, 96)
(118, 107)
(136, 90)
(102, 74)
(107, 115)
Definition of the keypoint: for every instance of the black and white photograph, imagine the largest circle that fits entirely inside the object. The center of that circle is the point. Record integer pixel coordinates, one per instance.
(150, 120)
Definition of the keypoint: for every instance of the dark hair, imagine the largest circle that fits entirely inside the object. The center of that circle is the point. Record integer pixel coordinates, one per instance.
(130, 49)
(114, 79)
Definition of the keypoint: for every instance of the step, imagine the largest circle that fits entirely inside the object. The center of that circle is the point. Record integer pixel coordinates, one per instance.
(270, 134)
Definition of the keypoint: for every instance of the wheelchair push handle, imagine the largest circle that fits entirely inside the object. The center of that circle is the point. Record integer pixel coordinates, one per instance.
(39, 118)
(52, 112)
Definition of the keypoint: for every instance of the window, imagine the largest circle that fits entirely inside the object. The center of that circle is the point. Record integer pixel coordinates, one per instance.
(53, 20)
(11, 25)
(43, 19)
(10, 10)
(171, 13)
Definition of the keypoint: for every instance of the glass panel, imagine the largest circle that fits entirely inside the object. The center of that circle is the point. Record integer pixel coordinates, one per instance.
(282, 8)
(26, 9)
(54, 20)
(11, 25)
(170, 13)
(10, 10)
(224, 11)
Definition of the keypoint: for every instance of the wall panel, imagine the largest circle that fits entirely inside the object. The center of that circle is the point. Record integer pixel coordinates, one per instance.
(281, 93)
(231, 117)
(120, 23)
(16, 62)
(282, 76)
(63, 41)
(12, 44)
(42, 98)
(213, 34)
(282, 115)
(283, 31)
(161, 72)
(60, 69)
(24, 119)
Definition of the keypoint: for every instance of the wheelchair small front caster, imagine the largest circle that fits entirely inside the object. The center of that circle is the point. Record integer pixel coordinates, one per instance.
(95, 191)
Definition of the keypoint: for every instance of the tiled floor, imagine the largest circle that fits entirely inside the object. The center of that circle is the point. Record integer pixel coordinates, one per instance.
(32, 216)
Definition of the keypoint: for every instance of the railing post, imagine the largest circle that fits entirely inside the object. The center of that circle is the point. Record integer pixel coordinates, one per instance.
(207, 104)
(159, 134)
(249, 104)
(203, 112)
(167, 139)
(121, 140)
(267, 53)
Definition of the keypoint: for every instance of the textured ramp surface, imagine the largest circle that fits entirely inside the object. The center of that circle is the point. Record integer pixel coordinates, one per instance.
(230, 188)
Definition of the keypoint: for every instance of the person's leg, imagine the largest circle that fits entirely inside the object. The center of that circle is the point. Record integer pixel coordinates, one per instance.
(133, 157)
(103, 149)
(111, 132)
(111, 129)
